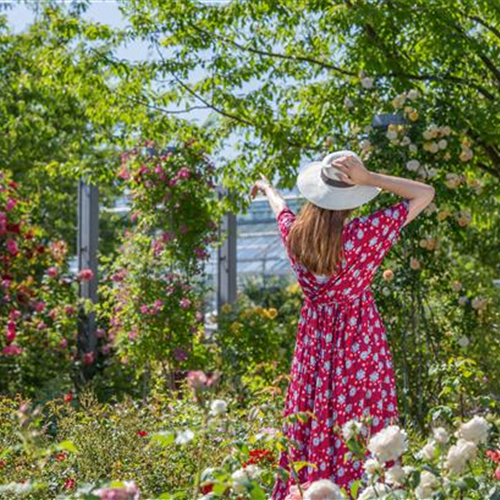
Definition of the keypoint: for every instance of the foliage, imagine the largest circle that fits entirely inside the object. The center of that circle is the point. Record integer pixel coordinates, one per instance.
(199, 442)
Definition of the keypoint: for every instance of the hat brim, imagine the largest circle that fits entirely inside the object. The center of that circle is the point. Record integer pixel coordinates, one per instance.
(312, 187)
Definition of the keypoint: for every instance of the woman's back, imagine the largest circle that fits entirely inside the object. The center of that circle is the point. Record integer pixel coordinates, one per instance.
(365, 240)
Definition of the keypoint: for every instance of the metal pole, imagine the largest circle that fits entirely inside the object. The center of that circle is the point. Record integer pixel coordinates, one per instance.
(226, 261)
(87, 246)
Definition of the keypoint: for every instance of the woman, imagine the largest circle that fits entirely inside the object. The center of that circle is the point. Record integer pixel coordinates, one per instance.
(342, 366)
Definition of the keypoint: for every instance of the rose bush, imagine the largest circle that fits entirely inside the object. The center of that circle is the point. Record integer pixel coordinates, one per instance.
(38, 300)
(152, 310)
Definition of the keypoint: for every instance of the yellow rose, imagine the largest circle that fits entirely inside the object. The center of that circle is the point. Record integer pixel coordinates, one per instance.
(226, 308)
(413, 116)
(271, 313)
(236, 327)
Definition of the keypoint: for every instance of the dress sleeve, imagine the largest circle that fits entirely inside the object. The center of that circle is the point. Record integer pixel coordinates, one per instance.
(382, 229)
(285, 220)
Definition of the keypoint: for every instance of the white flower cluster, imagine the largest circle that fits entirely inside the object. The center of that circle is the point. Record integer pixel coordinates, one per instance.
(388, 444)
(242, 478)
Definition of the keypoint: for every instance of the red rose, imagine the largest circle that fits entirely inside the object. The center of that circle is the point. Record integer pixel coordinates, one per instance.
(69, 484)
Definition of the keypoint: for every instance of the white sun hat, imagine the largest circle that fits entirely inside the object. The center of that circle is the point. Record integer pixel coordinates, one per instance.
(320, 183)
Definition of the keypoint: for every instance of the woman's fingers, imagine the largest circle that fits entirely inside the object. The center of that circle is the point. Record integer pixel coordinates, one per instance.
(341, 166)
(345, 178)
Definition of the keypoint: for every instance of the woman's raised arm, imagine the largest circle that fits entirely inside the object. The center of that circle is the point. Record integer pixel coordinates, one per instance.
(275, 199)
(418, 193)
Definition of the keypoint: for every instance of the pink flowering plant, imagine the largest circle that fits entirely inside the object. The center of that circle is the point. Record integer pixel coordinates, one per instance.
(153, 293)
(37, 297)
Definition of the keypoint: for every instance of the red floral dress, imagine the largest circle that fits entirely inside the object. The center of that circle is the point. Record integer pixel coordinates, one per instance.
(342, 366)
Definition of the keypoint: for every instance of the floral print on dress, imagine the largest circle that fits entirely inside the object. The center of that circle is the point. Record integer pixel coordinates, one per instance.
(342, 365)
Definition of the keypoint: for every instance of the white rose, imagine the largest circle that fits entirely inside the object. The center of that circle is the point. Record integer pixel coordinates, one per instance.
(218, 407)
(184, 437)
(443, 144)
(413, 148)
(367, 82)
(440, 435)
(432, 172)
(475, 430)
(388, 444)
(434, 148)
(463, 341)
(459, 454)
(413, 94)
(446, 130)
(478, 303)
(398, 101)
(323, 489)
(405, 141)
(372, 465)
(428, 451)
(428, 482)
(395, 475)
(391, 134)
(349, 430)
(242, 477)
(374, 491)
(427, 134)
(463, 300)
(412, 165)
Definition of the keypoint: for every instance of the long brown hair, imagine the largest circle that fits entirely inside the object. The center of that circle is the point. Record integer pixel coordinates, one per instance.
(315, 238)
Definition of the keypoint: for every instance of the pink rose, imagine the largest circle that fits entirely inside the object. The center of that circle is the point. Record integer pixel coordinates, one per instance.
(14, 314)
(69, 309)
(196, 380)
(123, 173)
(88, 358)
(11, 350)
(185, 303)
(11, 203)
(85, 275)
(129, 492)
(52, 272)
(12, 247)
(183, 173)
(39, 306)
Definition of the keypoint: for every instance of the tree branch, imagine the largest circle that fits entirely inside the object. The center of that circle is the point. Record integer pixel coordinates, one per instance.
(277, 55)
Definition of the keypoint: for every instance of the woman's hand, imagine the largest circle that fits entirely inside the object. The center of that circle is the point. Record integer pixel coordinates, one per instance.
(352, 170)
(260, 185)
